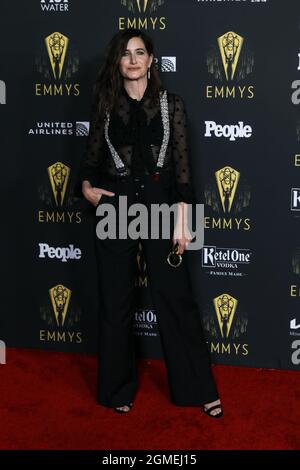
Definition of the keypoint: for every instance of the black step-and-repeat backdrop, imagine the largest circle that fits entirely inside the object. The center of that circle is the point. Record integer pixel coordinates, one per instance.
(237, 66)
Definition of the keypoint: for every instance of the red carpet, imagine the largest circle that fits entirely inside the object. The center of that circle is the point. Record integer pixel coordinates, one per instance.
(48, 402)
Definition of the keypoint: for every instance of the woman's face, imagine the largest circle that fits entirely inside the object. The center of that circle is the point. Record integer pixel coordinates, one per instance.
(135, 60)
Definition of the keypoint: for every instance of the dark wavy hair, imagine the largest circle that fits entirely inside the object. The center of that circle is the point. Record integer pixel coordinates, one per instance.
(109, 80)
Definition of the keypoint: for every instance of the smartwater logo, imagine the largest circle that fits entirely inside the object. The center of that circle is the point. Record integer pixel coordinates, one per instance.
(2, 92)
(55, 5)
(2, 352)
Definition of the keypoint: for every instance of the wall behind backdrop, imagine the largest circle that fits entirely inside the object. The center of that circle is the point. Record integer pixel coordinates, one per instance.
(237, 66)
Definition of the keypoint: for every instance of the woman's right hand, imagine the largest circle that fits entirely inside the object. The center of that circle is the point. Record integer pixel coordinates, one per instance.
(92, 194)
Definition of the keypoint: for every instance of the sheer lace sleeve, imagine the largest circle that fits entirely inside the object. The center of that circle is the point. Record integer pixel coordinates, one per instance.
(184, 191)
(89, 168)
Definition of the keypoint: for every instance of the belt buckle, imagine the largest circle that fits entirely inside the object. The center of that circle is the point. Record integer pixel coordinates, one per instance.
(156, 176)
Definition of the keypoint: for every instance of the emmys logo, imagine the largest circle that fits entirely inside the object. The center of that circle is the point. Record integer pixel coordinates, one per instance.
(296, 262)
(142, 278)
(225, 308)
(57, 45)
(222, 196)
(227, 180)
(60, 318)
(2, 92)
(59, 174)
(295, 290)
(230, 46)
(228, 60)
(54, 5)
(60, 298)
(142, 8)
(224, 322)
(57, 64)
(2, 352)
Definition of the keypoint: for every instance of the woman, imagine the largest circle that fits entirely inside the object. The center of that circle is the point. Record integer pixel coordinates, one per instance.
(137, 147)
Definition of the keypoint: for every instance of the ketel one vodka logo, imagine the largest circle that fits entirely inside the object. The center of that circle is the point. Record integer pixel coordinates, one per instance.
(57, 63)
(144, 11)
(59, 176)
(225, 308)
(223, 197)
(60, 298)
(230, 61)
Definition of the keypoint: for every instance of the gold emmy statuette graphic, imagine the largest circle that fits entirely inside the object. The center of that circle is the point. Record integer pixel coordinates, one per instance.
(140, 259)
(227, 181)
(60, 298)
(139, 5)
(57, 45)
(142, 5)
(59, 176)
(225, 307)
(230, 45)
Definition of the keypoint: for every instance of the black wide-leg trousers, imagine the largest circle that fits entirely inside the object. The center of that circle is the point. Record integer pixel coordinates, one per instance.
(185, 350)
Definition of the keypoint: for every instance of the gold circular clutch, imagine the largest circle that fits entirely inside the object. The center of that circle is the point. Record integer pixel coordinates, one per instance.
(174, 258)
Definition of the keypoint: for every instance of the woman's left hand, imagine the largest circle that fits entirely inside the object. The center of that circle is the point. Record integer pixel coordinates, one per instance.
(182, 235)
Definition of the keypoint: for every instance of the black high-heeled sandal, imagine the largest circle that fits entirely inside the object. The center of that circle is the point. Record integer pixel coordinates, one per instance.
(117, 410)
(208, 411)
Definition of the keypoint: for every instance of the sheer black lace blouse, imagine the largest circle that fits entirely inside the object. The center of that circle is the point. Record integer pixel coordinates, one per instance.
(136, 132)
